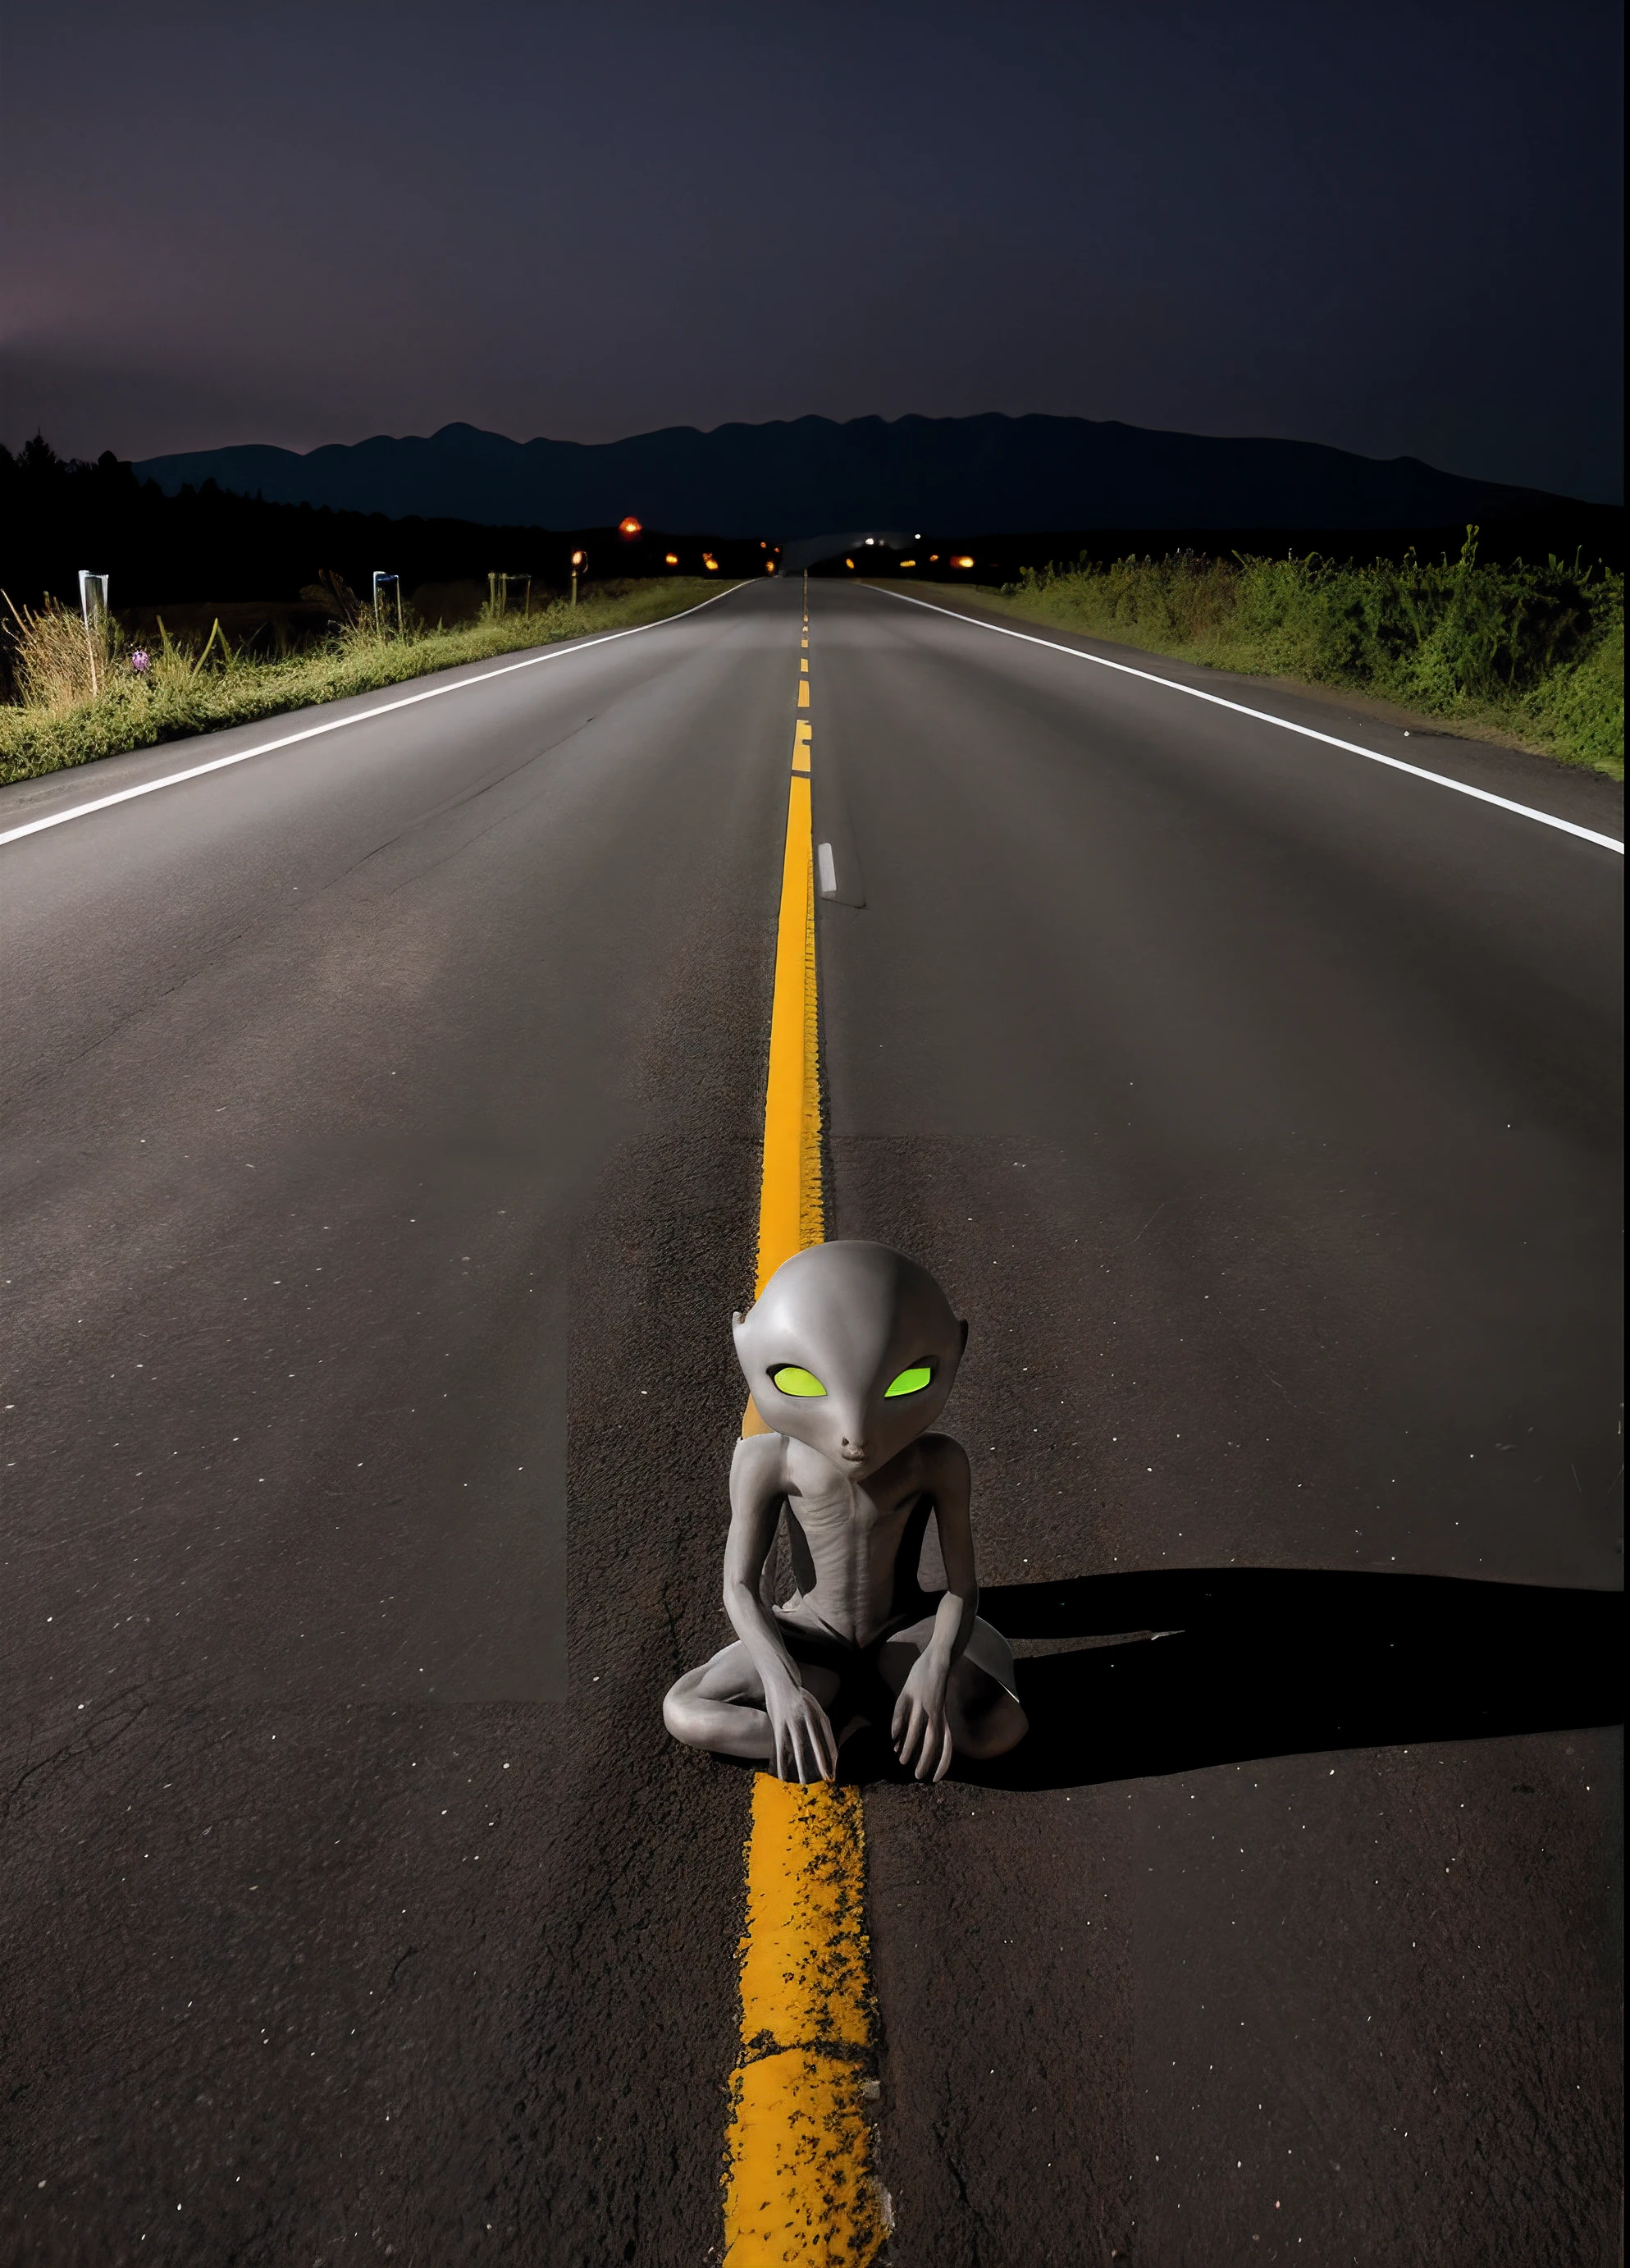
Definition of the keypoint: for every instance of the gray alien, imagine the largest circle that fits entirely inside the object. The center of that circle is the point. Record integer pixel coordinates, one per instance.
(850, 1352)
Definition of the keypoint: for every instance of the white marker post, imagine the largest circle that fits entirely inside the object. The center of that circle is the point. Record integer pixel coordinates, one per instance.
(93, 608)
(380, 577)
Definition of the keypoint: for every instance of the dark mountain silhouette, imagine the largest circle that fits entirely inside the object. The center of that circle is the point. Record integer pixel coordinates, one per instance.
(790, 480)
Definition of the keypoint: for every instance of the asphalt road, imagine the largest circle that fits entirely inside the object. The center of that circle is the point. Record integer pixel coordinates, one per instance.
(379, 1174)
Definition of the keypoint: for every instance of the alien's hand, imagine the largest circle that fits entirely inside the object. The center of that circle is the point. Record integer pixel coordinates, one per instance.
(920, 1734)
(804, 1747)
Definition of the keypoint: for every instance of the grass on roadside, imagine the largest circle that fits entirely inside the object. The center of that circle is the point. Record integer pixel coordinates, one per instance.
(1529, 654)
(88, 693)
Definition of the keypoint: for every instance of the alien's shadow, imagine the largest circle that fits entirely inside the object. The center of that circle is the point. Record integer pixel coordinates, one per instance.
(1181, 1670)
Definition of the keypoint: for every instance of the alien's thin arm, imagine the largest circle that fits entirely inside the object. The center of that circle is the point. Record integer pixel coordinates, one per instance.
(951, 1486)
(920, 1730)
(805, 1745)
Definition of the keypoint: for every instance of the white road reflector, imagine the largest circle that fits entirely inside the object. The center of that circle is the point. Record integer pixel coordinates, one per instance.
(828, 869)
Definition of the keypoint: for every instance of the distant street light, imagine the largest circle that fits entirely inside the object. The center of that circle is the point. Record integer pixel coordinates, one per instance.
(630, 529)
(579, 565)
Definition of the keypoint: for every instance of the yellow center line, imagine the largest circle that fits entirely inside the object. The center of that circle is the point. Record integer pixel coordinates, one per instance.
(804, 693)
(790, 1186)
(799, 2183)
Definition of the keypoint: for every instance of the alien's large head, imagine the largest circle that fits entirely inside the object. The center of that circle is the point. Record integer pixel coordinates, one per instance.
(852, 1349)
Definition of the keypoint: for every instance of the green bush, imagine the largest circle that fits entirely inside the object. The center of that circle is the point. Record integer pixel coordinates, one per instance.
(1536, 653)
(176, 694)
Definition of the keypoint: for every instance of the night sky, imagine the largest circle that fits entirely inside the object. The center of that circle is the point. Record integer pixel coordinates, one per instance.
(1392, 228)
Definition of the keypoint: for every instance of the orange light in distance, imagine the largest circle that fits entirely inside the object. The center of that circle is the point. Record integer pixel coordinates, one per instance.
(629, 526)
(769, 566)
(962, 562)
(576, 558)
(848, 563)
(669, 558)
(907, 562)
(709, 562)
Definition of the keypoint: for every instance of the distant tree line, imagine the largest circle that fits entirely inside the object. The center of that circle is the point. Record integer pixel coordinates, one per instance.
(1591, 534)
(58, 514)
(207, 545)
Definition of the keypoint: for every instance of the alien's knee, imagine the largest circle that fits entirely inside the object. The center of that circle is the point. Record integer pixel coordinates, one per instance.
(999, 1728)
(678, 1711)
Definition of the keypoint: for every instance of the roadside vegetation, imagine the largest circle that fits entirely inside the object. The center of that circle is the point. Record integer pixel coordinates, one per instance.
(80, 691)
(1534, 655)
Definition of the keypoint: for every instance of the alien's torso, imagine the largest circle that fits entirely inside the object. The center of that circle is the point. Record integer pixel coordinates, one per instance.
(855, 1543)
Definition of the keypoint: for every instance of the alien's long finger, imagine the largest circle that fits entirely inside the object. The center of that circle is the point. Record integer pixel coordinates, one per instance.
(829, 1749)
(902, 1710)
(931, 1743)
(813, 1749)
(915, 1733)
(944, 1756)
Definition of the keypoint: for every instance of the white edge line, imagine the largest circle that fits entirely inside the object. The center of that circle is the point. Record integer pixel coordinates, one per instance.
(1263, 716)
(558, 652)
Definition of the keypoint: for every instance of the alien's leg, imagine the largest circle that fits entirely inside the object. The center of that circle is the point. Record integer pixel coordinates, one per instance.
(721, 1705)
(982, 1707)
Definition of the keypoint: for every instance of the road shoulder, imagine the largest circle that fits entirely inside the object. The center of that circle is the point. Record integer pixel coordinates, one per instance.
(1585, 799)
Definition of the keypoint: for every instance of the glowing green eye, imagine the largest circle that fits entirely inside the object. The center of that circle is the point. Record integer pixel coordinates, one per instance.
(788, 1378)
(910, 1381)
